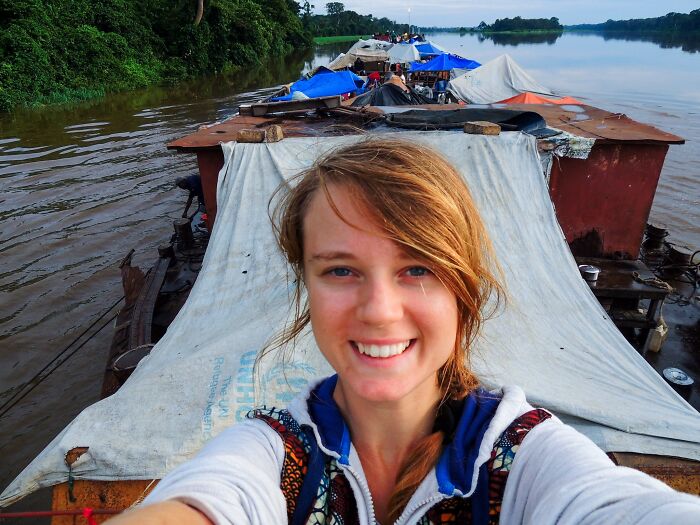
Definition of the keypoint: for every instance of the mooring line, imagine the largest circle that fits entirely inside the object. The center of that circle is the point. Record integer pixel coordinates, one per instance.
(38, 378)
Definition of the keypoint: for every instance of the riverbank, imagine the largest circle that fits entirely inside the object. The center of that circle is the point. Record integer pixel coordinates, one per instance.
(80, 50)
(325, 40)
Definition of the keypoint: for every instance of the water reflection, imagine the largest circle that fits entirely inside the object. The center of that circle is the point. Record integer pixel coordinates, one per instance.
(515, 39)
(688, 43)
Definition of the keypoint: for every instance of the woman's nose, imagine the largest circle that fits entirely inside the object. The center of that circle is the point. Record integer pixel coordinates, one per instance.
(380, 302)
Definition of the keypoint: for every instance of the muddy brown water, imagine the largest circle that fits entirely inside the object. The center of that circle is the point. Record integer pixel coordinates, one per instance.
(84, 184)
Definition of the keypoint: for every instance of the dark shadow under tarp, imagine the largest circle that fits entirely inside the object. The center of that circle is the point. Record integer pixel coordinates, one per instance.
(390, 95)
(509, 120)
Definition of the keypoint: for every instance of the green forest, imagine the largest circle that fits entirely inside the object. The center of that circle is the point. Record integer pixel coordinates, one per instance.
(338, 21)
(521, 24)
(59, 50)
(672, 23)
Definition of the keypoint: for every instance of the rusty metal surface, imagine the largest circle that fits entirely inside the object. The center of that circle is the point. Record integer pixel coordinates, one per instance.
(599, 124)
(681, 474)
(118, 495)
(293, 125)
(603, 203)
(210, 161)
(587, 121)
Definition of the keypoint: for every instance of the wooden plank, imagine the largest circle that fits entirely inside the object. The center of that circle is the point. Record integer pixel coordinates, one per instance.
(140, 329)
(274, 133)
(481, 127)
(251, 136)
(261, 109)
(271, 133)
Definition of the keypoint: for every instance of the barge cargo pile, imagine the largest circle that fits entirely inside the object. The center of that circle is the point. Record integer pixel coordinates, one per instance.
(558, 185)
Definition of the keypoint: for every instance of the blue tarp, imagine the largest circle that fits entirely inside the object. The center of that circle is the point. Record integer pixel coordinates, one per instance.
(445, 62)
(326, 84)
(427, 49)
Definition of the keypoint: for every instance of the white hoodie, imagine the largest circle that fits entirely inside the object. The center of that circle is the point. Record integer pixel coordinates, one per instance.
(558, 476)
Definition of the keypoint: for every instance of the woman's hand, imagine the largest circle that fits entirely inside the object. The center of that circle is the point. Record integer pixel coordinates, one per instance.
(168, 512)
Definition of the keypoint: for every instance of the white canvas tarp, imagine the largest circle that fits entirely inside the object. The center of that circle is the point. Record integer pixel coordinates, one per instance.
(370, 44)
(403, 54)
(553, 338)
(458, 72)
(348, 59)
(366, 50)
(498, 79)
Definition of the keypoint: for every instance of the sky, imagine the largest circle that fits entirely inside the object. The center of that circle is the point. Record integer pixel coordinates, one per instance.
(467, 13)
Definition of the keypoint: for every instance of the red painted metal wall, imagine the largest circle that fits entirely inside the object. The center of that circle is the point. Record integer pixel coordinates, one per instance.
(603, 202)
(210, 161)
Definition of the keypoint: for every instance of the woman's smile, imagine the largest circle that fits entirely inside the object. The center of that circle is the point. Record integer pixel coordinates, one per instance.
(381, 350)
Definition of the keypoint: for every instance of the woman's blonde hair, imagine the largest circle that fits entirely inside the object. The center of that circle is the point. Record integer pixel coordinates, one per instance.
(420, 202)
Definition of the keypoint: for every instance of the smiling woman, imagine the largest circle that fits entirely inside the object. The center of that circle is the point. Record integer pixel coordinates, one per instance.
(397, 267)
(396, 275)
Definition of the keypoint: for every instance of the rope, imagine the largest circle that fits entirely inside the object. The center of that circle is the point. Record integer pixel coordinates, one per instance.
(140, 499)
(38, 378)
(652, 281)
(86, 512)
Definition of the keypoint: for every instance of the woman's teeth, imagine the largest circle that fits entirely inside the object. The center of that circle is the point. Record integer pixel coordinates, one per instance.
(382, 350)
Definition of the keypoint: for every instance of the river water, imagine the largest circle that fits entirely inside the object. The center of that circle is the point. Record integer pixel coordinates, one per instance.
(83, 184)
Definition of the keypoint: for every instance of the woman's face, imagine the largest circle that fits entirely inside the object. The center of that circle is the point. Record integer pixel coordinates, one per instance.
(381, 318)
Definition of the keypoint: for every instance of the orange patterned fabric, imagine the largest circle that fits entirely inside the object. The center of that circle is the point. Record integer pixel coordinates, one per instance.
(295, 452)
(334, 503)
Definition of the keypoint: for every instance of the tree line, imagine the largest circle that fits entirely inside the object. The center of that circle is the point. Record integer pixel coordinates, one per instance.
(521, 24)
(675, 23)
(57, 50)
(337, 21)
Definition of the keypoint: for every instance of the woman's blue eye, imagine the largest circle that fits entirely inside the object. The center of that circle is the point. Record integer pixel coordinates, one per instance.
(418, 271)
(340, 272)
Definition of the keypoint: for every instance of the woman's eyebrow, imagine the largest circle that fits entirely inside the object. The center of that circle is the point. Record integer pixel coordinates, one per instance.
(330, 256)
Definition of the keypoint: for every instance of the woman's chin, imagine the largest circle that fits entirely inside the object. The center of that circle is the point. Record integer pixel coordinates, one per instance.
(391, 391)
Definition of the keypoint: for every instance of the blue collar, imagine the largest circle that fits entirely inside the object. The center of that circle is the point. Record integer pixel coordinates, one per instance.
(455, 467)
(456, 464)
(324, 411)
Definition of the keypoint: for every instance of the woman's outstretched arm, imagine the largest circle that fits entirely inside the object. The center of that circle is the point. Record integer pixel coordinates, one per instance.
(560, 476)
(165, 513)
(234, 479)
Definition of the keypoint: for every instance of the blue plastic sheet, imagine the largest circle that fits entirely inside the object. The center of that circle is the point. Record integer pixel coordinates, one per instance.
(326, 84)
(445, 62)
(427, 49)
